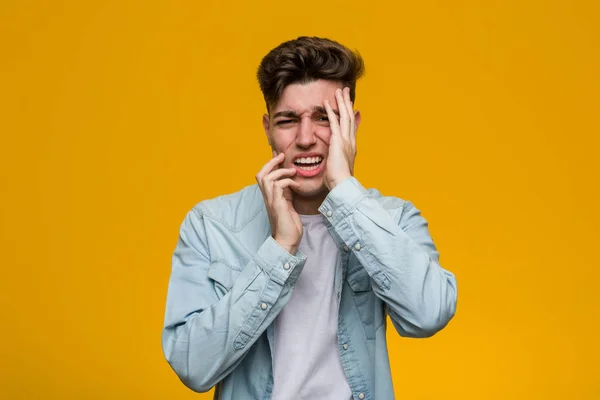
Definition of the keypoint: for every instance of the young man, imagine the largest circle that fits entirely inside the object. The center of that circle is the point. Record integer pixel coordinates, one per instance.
(281, 290)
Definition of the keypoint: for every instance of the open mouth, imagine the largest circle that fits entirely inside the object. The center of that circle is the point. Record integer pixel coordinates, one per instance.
(308, 164)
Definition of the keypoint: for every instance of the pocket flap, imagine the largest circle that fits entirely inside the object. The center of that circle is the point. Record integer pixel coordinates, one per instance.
(358, 278)
(222, 274)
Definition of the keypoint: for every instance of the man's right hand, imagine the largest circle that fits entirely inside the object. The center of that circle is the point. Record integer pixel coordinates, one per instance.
(275, 184)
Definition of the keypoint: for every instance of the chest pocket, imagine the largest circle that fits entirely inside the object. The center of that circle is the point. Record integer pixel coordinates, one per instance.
(368, 305)
(223, 277)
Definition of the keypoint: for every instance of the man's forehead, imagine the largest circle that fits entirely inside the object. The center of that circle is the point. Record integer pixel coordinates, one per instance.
(300, 104)
(314, 91)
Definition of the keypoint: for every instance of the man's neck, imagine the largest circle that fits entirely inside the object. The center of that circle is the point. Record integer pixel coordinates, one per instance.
(308, 205)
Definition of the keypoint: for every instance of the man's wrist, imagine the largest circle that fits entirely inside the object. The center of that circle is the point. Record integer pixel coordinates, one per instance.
(342, 201)
(292, 249)
(334, 182)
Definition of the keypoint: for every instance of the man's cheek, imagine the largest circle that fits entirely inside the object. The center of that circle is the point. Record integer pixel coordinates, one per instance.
(324, 135)
(283, 143)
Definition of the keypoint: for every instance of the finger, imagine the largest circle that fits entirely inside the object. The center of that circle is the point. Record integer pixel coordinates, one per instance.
(350, 108)
(333, 122)
(283, 183)
(353, 133)
(288, 195)
(269, 166)
(344, 117)
(268, 181)
(265, 187)
(278, 173)
(348, 102)
(280, 185)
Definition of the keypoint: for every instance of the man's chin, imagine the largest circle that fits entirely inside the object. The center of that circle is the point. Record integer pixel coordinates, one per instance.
(311, 189)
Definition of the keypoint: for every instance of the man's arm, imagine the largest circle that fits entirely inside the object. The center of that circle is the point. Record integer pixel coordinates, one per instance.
(400, 257)
(204, 337)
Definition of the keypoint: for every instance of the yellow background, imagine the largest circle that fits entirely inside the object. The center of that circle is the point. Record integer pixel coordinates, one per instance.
(118, 116)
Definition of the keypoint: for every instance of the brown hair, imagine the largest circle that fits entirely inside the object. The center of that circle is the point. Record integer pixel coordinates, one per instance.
(304, 60)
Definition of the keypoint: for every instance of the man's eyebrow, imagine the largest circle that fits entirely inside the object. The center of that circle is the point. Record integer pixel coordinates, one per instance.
(322, 110)
(294, 114)
(286, 113)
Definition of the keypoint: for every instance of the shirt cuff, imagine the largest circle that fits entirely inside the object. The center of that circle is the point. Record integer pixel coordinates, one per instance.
(343, 200)
(280, 265)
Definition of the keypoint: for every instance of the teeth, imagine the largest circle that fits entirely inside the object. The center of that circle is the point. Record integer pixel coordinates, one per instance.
(309, 160)
(309, 168)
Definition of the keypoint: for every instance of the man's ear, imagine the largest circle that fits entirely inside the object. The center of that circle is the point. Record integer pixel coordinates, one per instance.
(357, 118)
(267, 125)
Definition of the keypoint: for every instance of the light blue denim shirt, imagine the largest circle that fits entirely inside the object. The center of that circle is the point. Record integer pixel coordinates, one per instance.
(230, 279)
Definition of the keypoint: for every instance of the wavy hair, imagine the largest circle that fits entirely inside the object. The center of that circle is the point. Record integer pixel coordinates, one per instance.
(304, 60)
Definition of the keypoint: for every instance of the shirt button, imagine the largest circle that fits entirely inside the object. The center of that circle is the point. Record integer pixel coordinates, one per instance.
(263, 306)
(329, 213)
(345, 346)
(361, 396)
(286, 266)
(346, 248)
(357, 246)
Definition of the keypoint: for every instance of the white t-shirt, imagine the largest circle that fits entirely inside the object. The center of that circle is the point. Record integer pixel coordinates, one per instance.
(306, 362)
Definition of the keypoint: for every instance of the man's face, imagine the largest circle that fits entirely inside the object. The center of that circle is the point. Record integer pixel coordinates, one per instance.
(298, 126)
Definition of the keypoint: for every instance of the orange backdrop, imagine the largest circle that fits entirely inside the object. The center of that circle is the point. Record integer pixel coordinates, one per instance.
(118, 116)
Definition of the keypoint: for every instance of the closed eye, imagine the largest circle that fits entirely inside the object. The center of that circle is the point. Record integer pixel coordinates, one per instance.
(284, 121)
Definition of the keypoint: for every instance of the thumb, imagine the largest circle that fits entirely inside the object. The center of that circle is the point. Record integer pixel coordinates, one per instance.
(288, 194)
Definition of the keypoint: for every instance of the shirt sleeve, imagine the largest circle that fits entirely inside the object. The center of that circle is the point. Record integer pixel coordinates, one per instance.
(205, 337)
(399, 256)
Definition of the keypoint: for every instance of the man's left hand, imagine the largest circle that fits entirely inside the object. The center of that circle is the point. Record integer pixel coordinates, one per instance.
(342, 145)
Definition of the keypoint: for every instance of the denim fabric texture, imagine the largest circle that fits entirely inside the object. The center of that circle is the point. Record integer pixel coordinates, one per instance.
(230, 279)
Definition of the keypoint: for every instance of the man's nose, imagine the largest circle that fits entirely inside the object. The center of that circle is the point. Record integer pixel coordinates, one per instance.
(306, 133)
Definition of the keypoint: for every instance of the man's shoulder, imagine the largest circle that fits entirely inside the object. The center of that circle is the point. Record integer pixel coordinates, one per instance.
(402, 210)
(233, 209)
(388, 202)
